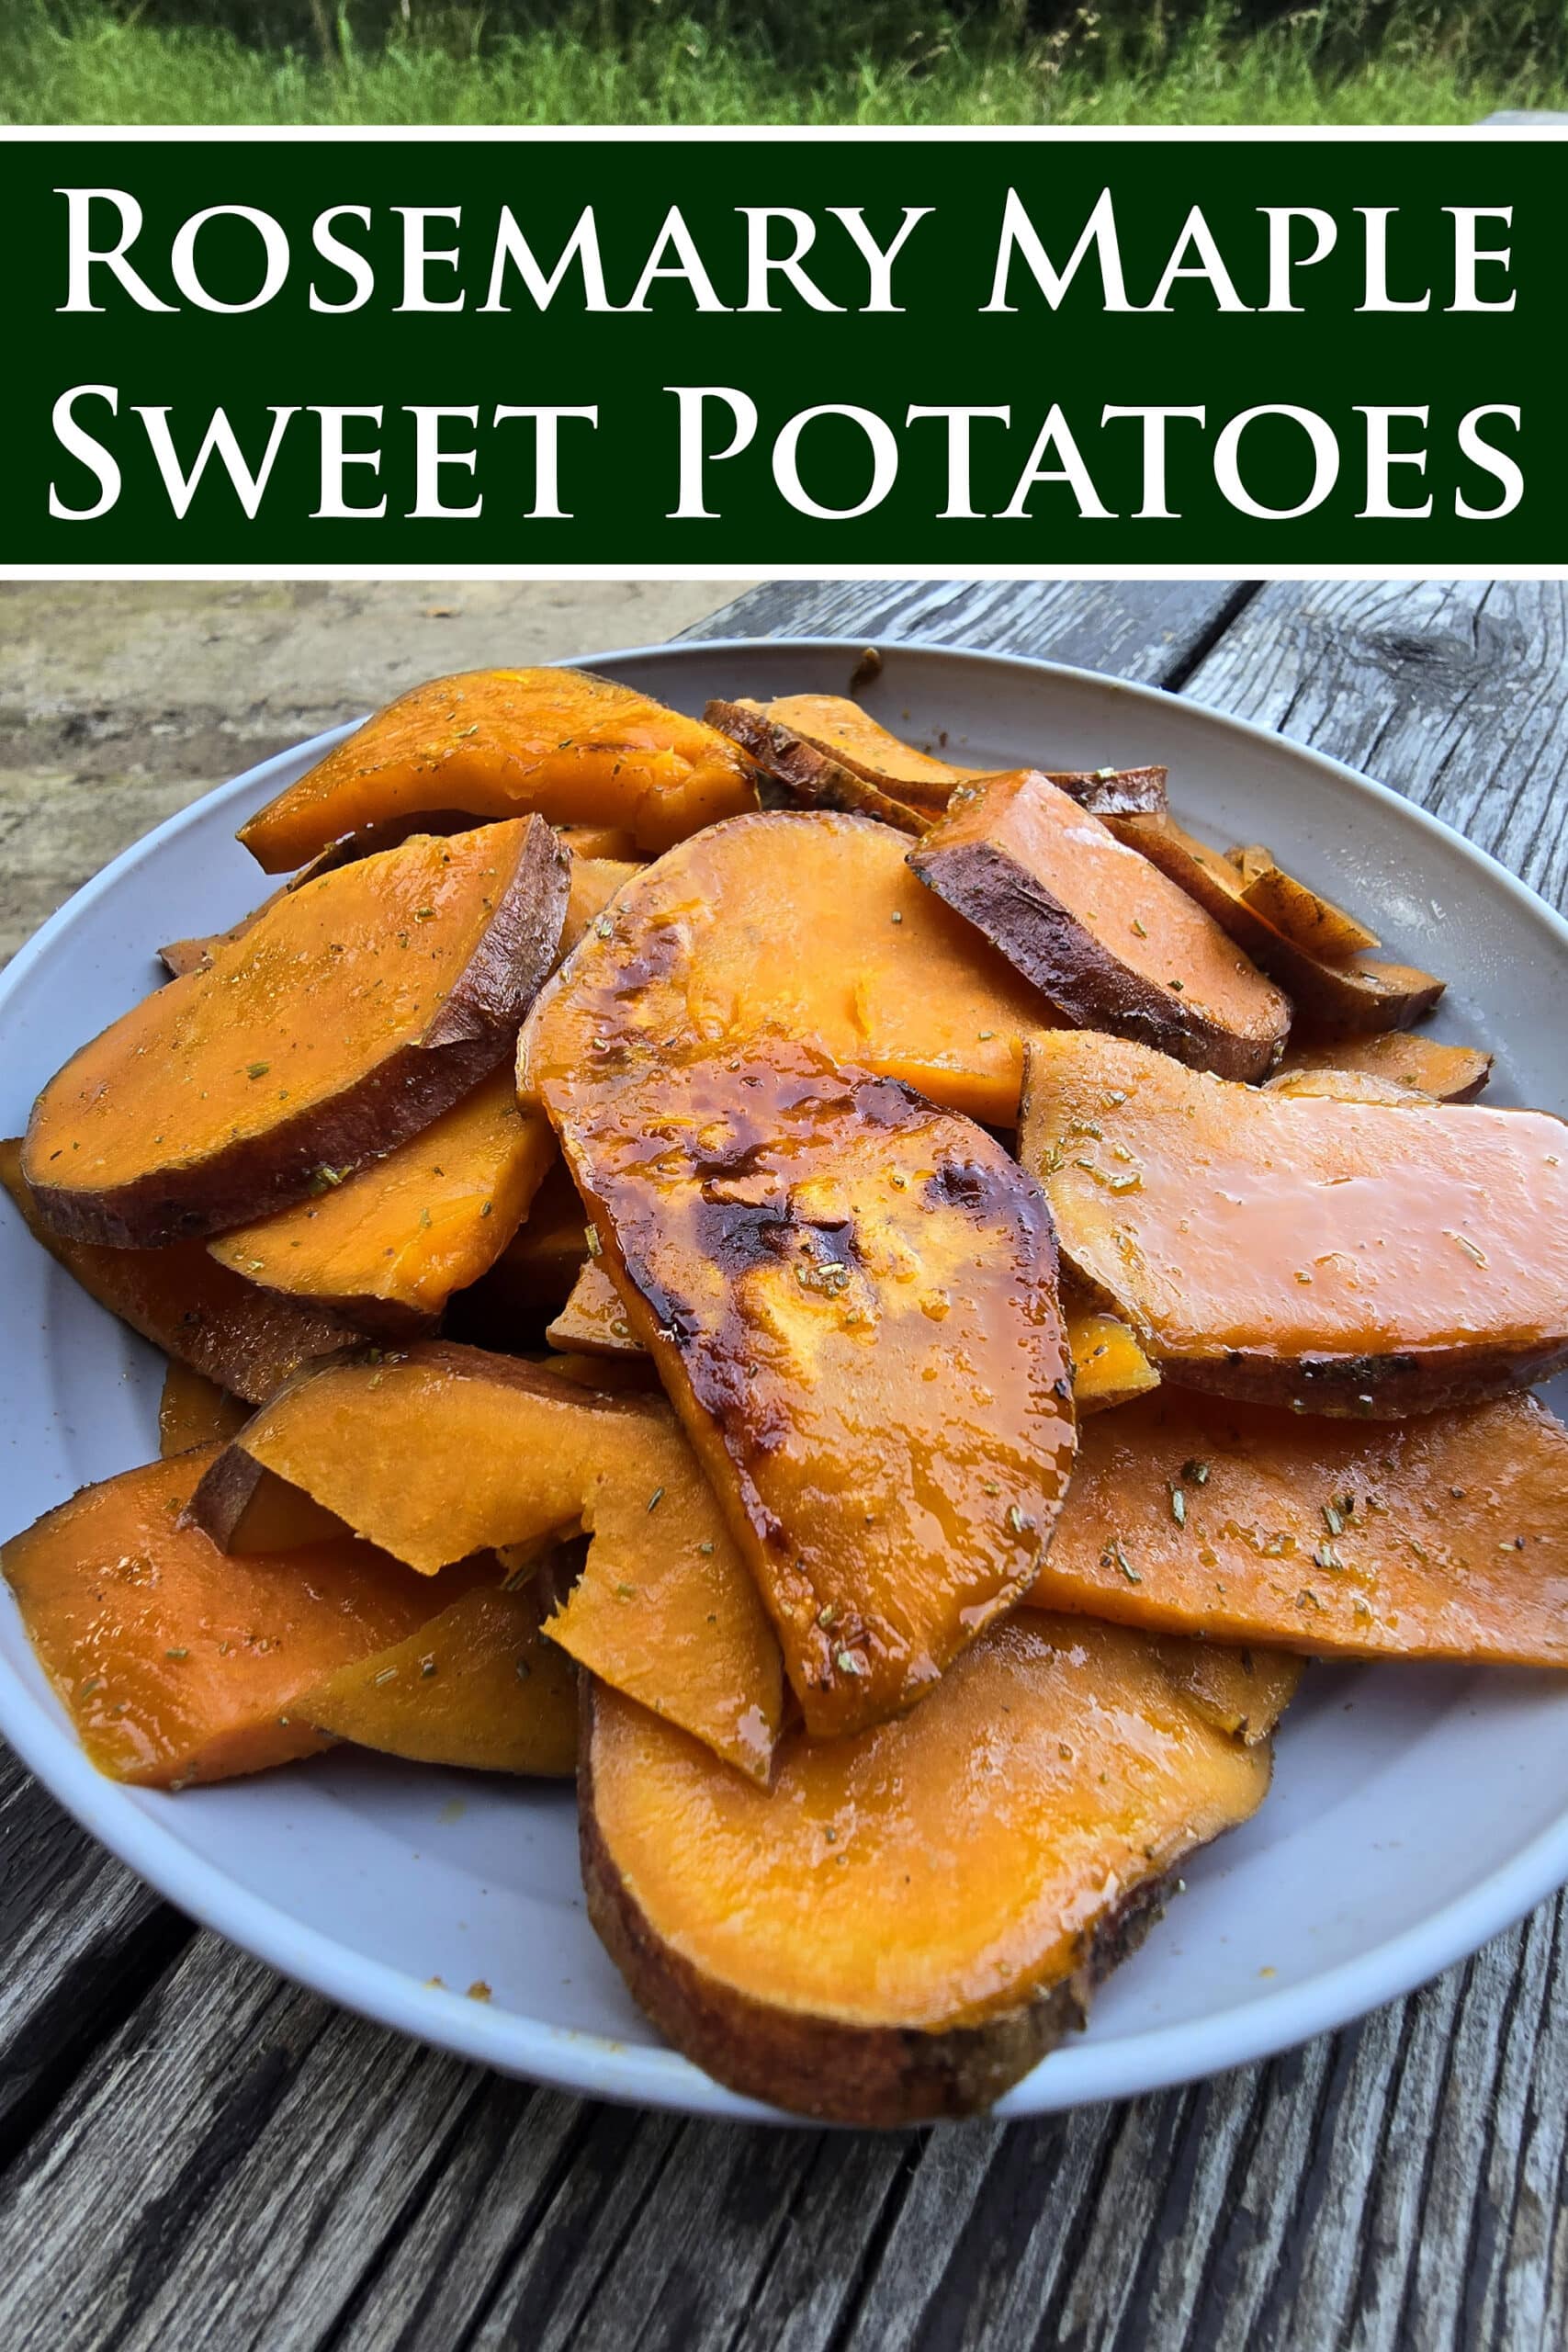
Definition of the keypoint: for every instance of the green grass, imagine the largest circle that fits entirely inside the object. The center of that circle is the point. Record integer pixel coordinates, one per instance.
(88, 65)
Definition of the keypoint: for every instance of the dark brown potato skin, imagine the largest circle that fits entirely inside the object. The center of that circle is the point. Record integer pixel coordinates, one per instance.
(805, 777)
(1113, 792)
(876, 2078)
(392, 1099)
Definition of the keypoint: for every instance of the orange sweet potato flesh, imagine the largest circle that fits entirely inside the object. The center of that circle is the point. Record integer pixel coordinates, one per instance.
(905, 1924)
(196, 1311)
(595, 882)
(1442, 1537)
(1109, 1367)
(478, 1687)
(177, 1664)
(1340, 1257)
(593, 1320)
(534, 1274)
(1346, 1086)
(193, 1410)
(1241, 1690)
(352, 1015)
(850, 1299)
(502, 1451)
(809, 926)
(850, 735)
(1303, 913)
(1347, 998)
(389, 1246)
(499, 744)
(1448, 1073)
(1098, 930)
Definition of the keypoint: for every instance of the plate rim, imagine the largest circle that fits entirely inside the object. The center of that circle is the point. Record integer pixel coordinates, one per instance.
(596, 2065)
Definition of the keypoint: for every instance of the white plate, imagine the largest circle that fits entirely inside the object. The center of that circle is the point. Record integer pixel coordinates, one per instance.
(1416, 1811)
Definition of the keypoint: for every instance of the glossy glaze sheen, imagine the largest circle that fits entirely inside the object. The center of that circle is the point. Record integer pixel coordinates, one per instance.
(222, 1325)
(1454, 1545)
(580, 750)
(1448, 1073)
(1347, 998)
(352, 1013)
(478, 1689)
(1109, 1367)
(850, 1296)
(862, 1941)
(1241, 1690)
(176, 1663)
(1350, 1256)
(807, 926)
(595, 882)
(594, 1318)
(398, 1236)
(1099, 931)
(440, 1451)
(193, 1410)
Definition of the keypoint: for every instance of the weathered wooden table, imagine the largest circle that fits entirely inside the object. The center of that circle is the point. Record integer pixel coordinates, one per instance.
(193, 2153)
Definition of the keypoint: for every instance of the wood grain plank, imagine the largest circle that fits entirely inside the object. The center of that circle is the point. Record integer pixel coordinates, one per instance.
(240, 2165)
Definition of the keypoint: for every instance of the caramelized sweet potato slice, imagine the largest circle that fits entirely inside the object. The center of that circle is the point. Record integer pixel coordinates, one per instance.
(593, 1320)
(593, 883)
(506, 1452)
(478, 1687)
(850, 1299)
(804, 775)
(1347, 998)
(579, 749)
(851, 736)
(354, 1013)
(1243, 1691)
(1301, 913)
(1443, 1536)
(808, 926)
(911, 1919)
(196, 1311)
(1099, 931)
(1345, 1086)
(389, 1246)
(177, 1664)
(534, 1274)
(1340, 1257)
(193, 1410)
(1448, 1073)
(1109, 1367)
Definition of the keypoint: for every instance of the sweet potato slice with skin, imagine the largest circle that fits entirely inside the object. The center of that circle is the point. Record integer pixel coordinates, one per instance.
(196, 1311)
(1241, 1690)
(500, 743)
(506, 1452)
(1099, 931)
(1345, 1086)
(1441, 1537)
(1338, 1257)
(910, 1918)
(807, 925)
(177, 1664)
(193, 1410)
(593, 1320)
(850, 735)
(1109, 1367)
(850, 1299)
(1299, 912)
(1448, 1073)
(389, 1246)
(477, 1688)
(1351, 998)
(803, 774)
(351, 1015)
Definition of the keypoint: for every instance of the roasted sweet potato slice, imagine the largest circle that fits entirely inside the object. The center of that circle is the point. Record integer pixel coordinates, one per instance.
(505, 1451)
(1243, 1691)
(1347, 998)
(498, 743)
(1109, 1367)
(179, 957)
(389, 1246)
(354, 1013)
(478, 1687)
(910, 1918)
(593, 883)
(1299, 912)
(1346, 1086)
(803, 774)
(1338, 1257)
(1097, 929)
(177, 1664)
(1448, 1073)
(533, 1277)
(196, 1311)
(593, 1320)
(806, 926)
(193, 1410)
(1443, 1536)
(851, 736)
(850, 1299)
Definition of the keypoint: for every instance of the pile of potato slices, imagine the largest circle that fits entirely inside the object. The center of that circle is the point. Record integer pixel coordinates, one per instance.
(875, 1313)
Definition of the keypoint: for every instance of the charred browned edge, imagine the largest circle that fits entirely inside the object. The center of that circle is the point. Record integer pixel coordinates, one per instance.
(1364, 1388)
(1328, 999)
(179, 957)
(1074, 969)
(881, 2077)
(1113, 792)
(805, 774)
(472, 1033)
